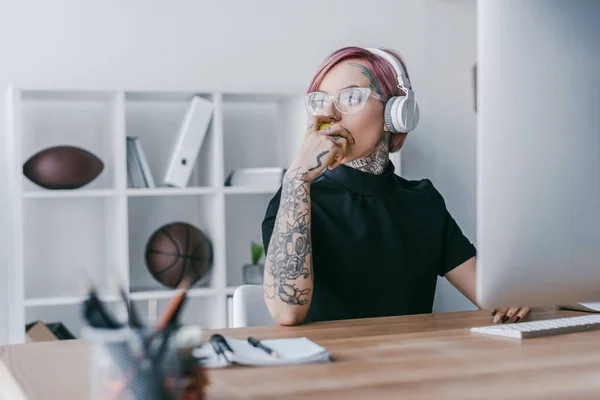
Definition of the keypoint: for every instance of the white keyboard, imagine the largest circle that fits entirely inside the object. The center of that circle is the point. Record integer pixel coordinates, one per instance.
(548, 327)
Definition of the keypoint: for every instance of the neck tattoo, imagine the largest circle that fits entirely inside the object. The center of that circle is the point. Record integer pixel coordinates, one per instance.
(375, 162)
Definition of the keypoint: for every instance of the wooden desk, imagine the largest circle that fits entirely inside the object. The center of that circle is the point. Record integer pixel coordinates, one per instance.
(413, 357)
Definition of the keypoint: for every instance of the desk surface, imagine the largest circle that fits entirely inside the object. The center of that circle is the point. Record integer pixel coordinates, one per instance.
(413, 357)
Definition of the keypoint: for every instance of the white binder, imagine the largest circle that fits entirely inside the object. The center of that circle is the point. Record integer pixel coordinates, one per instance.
(185, 149)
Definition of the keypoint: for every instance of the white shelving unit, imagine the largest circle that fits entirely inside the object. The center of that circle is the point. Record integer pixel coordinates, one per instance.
(55, 238)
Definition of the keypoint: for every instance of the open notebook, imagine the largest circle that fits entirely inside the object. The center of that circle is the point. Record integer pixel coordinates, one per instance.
(291, 351)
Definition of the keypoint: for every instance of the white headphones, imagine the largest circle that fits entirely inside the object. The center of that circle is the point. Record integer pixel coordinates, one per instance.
(401, 113)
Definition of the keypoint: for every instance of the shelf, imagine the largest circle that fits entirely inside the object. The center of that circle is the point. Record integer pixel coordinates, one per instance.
(167, 294)
(137, 296)
(266, 97)
(69, 314)
(194, 191)
(203, 311)
(66, 194)
(148, 214)
(59, 236)
(63, 301)
(68, 239)
(250, 189)
(261, 130)
(156, 119)
(250, 209)
(170, 191)
(68, 95)
(230, 289)
(85, 119)
(164, 96)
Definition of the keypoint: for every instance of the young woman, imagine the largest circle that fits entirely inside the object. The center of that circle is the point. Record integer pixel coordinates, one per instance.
(344, 236)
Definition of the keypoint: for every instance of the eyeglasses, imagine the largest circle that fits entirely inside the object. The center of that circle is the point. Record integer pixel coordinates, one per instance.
(347, 101)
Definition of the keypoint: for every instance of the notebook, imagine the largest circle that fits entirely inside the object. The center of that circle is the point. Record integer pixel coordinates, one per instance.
(588, 307)
(291, 351)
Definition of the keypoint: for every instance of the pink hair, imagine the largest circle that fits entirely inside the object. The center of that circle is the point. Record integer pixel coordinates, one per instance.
(384, 74)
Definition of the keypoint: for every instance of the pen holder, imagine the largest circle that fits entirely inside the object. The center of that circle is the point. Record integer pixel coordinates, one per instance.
(121, 368)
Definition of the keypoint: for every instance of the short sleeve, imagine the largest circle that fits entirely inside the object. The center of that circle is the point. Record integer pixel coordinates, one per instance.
(269, 219)
(456, 248)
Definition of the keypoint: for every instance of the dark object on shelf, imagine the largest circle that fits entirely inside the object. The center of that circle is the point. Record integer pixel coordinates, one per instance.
(62, 167)
(178, 250)
(61, 331)
(38, 331)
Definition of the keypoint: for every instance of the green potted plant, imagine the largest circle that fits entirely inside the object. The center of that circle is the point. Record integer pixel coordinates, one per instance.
(253, 273)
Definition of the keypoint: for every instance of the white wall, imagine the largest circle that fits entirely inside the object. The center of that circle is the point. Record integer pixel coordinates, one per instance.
(178, 45)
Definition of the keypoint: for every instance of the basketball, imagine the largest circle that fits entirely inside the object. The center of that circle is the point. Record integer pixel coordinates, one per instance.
(178, 250)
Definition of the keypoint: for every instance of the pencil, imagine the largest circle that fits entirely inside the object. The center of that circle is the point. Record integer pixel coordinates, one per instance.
(256, 343)
(175, 305)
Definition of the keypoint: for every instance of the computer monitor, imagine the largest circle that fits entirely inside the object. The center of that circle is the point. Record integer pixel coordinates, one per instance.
(538, 152)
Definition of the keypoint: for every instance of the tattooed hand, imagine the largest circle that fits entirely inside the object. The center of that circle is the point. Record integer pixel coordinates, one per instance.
(321, 148)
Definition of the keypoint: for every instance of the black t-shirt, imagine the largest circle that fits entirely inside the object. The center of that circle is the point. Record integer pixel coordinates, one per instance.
(378, 243)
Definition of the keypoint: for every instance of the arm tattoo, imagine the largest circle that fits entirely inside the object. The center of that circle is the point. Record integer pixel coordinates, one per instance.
(375, 162)
(369, 74)
(319, 163)
(290, 256)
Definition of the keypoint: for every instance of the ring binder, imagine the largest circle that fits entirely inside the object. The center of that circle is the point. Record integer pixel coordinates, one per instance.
(189, 140)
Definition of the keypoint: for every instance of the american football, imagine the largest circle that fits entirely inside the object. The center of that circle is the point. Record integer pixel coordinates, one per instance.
(63, 167)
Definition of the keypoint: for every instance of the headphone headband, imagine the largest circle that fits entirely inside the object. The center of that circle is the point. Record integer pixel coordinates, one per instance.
(403, 81)
(401, 113)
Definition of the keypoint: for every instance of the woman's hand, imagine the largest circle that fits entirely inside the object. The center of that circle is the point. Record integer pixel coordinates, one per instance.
(464, 279)
(514, 314)
(321, 148)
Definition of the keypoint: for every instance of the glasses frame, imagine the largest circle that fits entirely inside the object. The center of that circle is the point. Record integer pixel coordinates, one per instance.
(367, 92)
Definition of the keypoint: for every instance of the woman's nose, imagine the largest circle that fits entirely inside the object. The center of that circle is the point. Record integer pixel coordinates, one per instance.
(333, 112)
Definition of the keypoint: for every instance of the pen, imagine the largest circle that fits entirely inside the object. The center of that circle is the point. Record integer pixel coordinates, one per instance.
(221, 346)
(133, 318)
(256, 343)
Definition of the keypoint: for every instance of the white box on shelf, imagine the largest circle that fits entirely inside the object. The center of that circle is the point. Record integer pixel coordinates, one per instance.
(191, 134)
(256, 177)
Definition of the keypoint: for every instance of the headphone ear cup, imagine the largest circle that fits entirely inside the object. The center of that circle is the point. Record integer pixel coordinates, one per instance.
(388, 114)
(401, 114)
(408, 113)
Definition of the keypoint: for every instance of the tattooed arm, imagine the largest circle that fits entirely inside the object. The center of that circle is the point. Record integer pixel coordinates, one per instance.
(288, 277)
